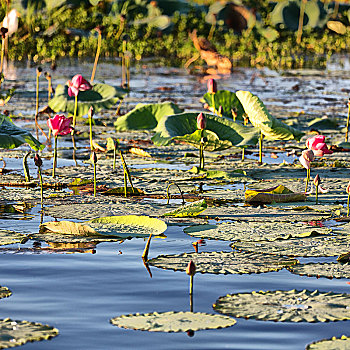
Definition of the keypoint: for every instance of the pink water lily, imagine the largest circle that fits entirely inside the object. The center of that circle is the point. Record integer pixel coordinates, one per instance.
(78, 83)
(318, 145)
(60, 125)
(212, 86)
(306, 158)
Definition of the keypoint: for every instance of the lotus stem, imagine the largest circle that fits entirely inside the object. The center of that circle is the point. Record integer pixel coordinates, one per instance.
(301, 21)
(347, 123)
(191, 295)
(121, 27)
(75, 113)
(74, 150)
(125, 183)
(308, 174)
(25, 167)
(123, 64)
(260, 147)
(348, 205)
(41, 188)
(38, 73)
(213, 102)
(114, 156)
(191, 285)
(99, 41)
(243, 154)
(128, 71)
(90, 123)
(316, 194)
(118, 109)
(212, 30)
(54, 158)
(146, 250)
(168, 192)
(2, 57)
(94, 179)
(126, 170)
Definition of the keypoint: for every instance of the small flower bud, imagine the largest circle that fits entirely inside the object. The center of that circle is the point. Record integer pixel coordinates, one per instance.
(47, 75)
(39, 71)
(212, 87)
(191, 268)
(37, 160)
(201, 121)
(91, 112)
(317, 180)
(93, 157)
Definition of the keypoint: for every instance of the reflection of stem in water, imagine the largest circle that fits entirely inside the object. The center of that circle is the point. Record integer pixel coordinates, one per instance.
(147, 267)
(243, 154)
(168, 192)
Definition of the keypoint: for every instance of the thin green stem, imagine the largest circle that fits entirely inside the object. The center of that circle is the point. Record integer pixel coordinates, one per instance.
(125, 183)
(54, 158)
(25, 167)
(308, 174)
(75, 113)
(347, 123)
(126, 170)
(90, 123)
(2, 58)
(114, 156)
(348, 212)
(191, 285)
(260, 147)
(301, 21)
(49, 88)
(213, 102)
(94, 179)
(99, 40)
(243, 154)
(41, 187)
(128, 72)
(317, 194)
(118, 109)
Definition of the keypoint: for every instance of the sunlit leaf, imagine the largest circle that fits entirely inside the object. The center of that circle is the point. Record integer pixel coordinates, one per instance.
(328, 270)
(191, 209)
(342, 343)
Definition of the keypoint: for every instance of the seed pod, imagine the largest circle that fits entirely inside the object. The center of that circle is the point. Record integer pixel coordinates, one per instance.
(317, 180)
(37, 160)
(191, 268)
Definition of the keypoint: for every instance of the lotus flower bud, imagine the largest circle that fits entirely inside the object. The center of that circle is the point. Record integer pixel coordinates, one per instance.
(317, 180)
(93, 157)
(201, 121)
(348, 188)
(191, 268)
(91, 112)
(212, 87)
(37, 160)
(39, 71)
(47, 75)
(3, 31)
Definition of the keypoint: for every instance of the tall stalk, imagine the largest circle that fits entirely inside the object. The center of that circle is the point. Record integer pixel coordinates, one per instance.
(99, 41)
(301, 21)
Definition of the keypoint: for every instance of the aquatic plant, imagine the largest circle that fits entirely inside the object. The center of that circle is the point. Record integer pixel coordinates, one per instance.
(305, 159)
(90, 115)
(94, 162)
(191, 271)
(348, 203)
(38, 162)
(317, 182)
(212, 89)
(318, 145)
(59, 125)
(99, 39)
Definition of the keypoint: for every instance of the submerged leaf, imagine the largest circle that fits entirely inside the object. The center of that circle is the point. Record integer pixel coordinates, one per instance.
(173, 321)
(271, 127)
(277, 194)
(342, 343)
(286, 306)
(191, 209)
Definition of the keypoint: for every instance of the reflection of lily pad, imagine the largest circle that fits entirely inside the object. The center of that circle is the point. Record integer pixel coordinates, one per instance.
(286, 306)
(328, 270)
(11, 136)
(311, 246)
(254, 231)
(173, 321)
(184, 125)
(191, 209)
(4, 292)
(223, 262)
(15, 333)
(342, 343)
(10, 237)
(99, 97)
(259, 116)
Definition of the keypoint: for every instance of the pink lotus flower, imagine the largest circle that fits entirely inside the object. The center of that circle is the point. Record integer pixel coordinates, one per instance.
(60, 125)
(77, 84)
(212, 87)
(318, 145)
(201, 121)
(306, 158)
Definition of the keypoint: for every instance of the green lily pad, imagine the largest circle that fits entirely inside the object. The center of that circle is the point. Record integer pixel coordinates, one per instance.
(342, 343)
(228, 101)
(10, 237)
(271, 127)
(311, 246)
(323, 123)
(183, 126)
(145, 117)
(126, 226)
(286, 306)
(101, 96)
(173, 321)
(235, 175)
(224, 262)
(191, 209)
(328, 270)
(254, 231)
(11, 136)
(15, 333)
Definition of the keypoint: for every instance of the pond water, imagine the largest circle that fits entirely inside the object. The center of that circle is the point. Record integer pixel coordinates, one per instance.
(79, 293)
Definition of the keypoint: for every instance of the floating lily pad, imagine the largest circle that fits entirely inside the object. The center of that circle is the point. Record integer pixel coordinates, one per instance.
(224, 262)
(254, 231)
(271, 127)
(223, 133)
(4, 293)
(101, 96)
(328, 270)
(235, 175)
(145, 117)
(342, 343)
(120, 191)
(277, 194)
(11, 136)
(101, 229)
(228, 101)
(15, 333)
(191, 209)
(286, 306)
(312, 246)
(173, 321)
(10, 237)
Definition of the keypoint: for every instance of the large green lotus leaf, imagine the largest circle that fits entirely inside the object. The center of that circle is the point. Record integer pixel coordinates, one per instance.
(271, 127)
(228, 101)
(191, 209)
(286, 306)
(342, 343)
(328, 270)
(145, 116)
(99, 97)
(174, 126)
(287, 13)
(11, 136)
(4, 292)
(15, 333)
(277, 194)
(254, 231)
(224, 262)
(124, 226)
(308, 247)
(173, 321)
(233, 176)
(10, 237)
